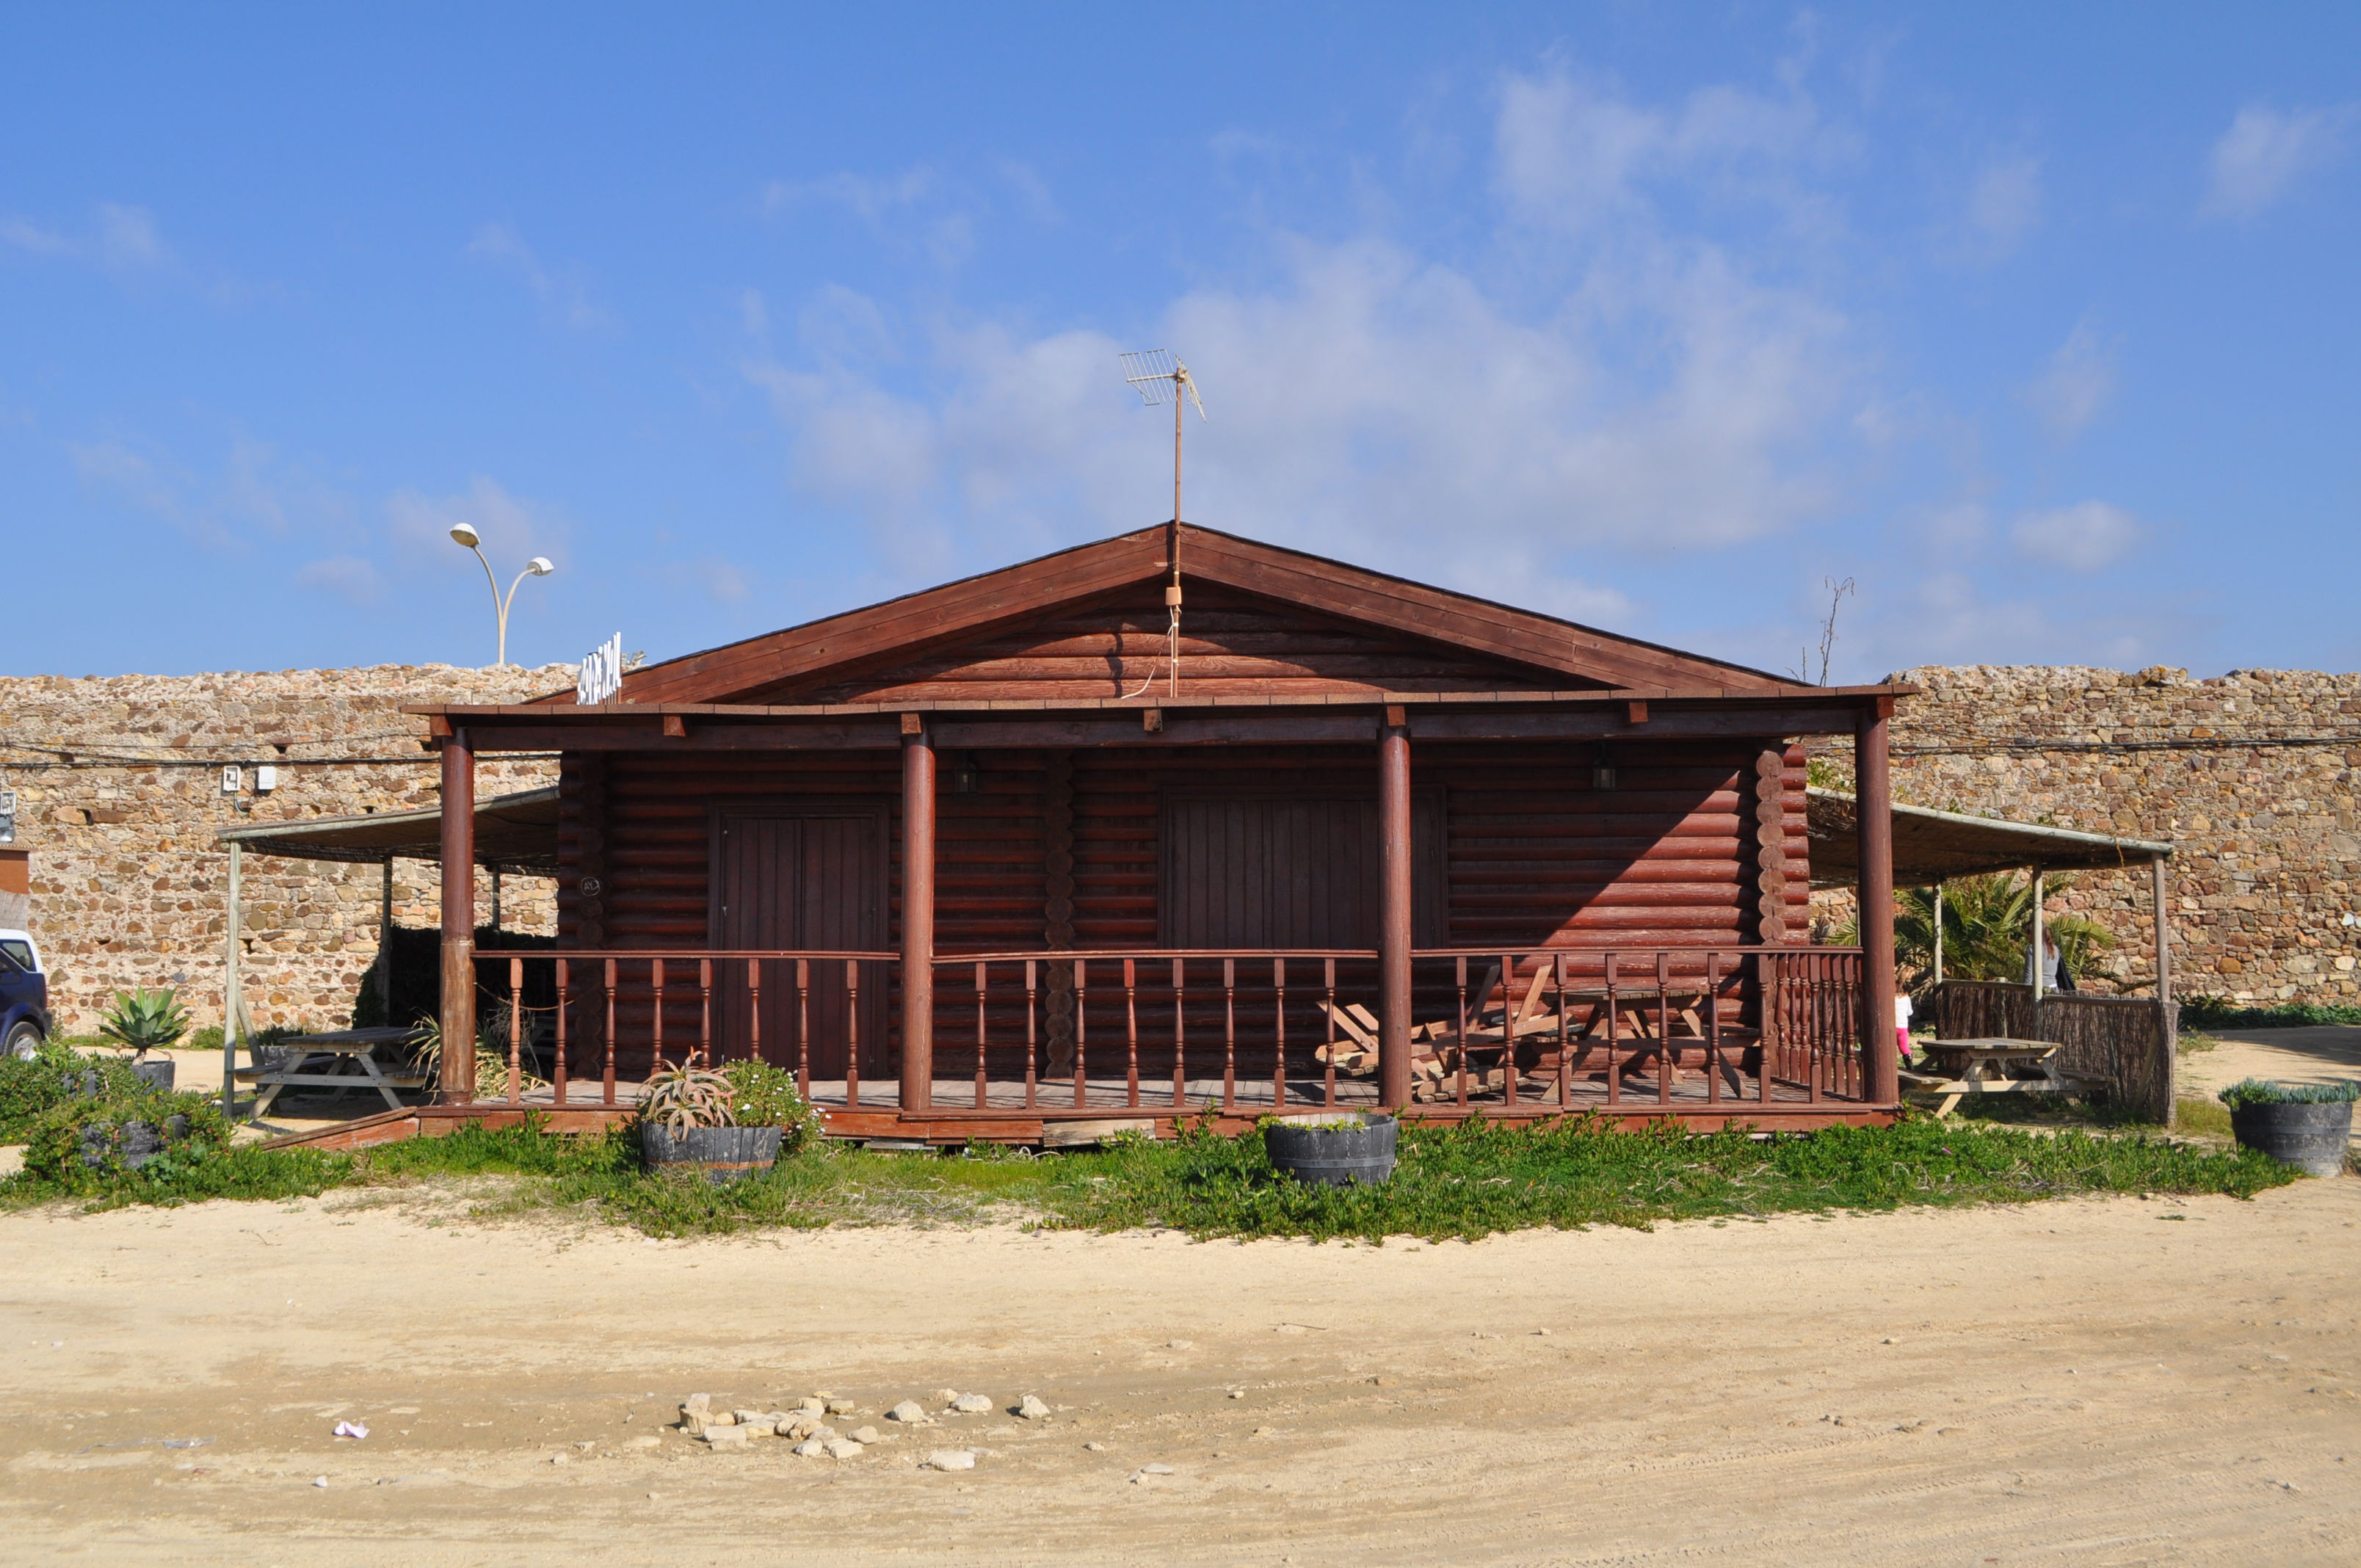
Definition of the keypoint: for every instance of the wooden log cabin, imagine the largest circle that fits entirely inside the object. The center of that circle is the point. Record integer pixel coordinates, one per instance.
(1179, 821)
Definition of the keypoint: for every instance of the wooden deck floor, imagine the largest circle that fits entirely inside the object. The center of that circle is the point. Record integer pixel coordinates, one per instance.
(1109, 1103)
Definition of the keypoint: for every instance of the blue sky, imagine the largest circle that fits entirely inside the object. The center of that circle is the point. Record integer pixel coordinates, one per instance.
(2037, 322)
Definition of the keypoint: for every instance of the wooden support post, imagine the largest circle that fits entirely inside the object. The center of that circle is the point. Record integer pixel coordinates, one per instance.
(2034, 951)
(1939, 933)
(917, 915)
(458, 919)
(1393, 912)
(2168, 1021)
(385, 941)
(1874, 812)
(232, 1003)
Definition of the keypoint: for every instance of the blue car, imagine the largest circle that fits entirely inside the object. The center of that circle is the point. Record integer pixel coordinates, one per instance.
(24, 994)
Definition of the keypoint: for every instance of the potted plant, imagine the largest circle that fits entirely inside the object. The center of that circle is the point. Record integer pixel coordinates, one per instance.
(689, 1120)
(2307, 1125)
(146, 1021)
(1340, 1148)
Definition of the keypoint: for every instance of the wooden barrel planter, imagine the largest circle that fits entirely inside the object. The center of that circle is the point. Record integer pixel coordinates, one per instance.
(723, 1154)
(2312, 1138)
(1346, 1150)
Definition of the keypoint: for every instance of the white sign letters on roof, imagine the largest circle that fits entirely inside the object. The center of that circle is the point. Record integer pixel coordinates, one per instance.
(602, 671)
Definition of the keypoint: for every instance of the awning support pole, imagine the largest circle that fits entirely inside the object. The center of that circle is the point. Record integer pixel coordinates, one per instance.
(385, 942)
(2039, 948)
(1939, 933)
(233, 1005)
(458, 1010)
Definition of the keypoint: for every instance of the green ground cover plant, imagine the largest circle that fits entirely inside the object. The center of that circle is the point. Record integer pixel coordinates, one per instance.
(1464, 1181)
(2221, 1013)
(53, 1075)
(2259, 1092)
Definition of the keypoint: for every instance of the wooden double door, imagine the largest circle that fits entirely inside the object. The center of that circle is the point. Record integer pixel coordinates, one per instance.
(811, 876)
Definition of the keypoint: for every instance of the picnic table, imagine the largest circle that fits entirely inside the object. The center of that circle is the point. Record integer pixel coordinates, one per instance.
(1985, 1066)
(355, 1058)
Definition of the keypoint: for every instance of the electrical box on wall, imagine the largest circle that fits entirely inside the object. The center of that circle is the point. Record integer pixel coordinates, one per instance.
(233, 779)
(265, 779)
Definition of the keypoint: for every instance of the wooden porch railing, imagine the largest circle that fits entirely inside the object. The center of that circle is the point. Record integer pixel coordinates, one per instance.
(662, 983)
(1116, 1029)
(1777, 1015)
(1229, 1007)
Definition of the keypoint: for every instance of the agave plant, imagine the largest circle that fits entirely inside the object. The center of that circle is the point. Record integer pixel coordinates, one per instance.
(491, 1064)
(679, 1097)
(145, 1020)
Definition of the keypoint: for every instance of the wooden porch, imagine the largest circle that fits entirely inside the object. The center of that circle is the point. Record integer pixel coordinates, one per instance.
(1711, 1036)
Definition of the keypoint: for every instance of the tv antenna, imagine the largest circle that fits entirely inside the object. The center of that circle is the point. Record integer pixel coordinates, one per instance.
(1161, 378)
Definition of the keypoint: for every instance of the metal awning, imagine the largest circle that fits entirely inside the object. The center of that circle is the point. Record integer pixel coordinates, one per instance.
(513, 833)
(1930, 847)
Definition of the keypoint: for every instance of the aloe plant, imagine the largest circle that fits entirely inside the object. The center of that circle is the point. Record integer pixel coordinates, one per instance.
(145, 1020)
(680, 1097)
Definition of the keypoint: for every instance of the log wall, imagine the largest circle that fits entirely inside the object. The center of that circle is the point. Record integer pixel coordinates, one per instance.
(1533, 856)
(1231, 644)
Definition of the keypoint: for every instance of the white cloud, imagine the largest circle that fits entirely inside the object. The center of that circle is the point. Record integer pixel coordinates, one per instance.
(869, 198)
(123, 240)
(347, 576)
(1516, 415)
(508, 524)
(2004, 205)
(126, 237)
(2075, 385)
(132, 475)
(25, 234)
(564, 296)
(916, 205)
(2087, 537)
(715, 576)
(257, 495)
(2265, 151)
(1573, 154)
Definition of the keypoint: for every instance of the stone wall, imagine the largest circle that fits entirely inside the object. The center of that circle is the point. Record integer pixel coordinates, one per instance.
(119, 799)
(118, 783)
(2266, 869)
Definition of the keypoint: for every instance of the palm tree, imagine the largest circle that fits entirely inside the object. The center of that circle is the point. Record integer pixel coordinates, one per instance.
(1987, 921)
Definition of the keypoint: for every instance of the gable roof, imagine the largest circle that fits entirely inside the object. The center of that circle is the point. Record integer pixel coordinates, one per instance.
(940, 616)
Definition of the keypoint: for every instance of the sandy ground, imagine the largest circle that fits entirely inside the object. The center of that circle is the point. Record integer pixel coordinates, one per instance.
(2107, 1382)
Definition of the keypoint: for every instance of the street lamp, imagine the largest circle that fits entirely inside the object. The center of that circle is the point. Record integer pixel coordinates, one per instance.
(539, 566)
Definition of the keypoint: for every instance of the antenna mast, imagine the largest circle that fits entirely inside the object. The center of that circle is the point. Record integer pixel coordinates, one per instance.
(1158, 377)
